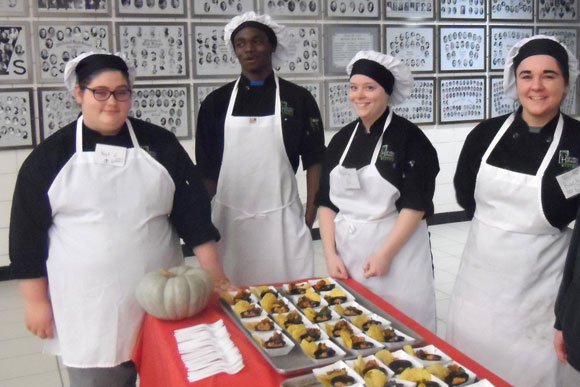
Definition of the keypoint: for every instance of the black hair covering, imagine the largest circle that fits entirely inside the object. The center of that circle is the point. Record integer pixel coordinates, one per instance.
(97, 63)
(544, 47)
(376, 71)
(269, 32)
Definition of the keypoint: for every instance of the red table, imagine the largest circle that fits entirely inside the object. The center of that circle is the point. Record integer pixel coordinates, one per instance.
(159, 363)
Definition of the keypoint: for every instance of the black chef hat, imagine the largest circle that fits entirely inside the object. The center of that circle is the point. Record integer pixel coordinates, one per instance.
(544, 47)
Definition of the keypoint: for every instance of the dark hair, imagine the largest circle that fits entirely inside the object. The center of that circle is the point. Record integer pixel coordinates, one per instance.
(94, 65)
(376, 71)
(544, 47)
(269, 32)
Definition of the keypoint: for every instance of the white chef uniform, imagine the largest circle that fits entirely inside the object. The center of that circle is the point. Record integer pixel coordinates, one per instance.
(257, 208)
(367, 215)
(514, 254)
(110, 227)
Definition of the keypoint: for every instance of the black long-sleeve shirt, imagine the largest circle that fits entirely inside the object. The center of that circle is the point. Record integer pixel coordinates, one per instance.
(522, 151)
(31, 215)
(568, 301)
(410, 161)
(301, 122)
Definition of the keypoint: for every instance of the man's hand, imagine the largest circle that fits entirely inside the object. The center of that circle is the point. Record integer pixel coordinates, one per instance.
(560, 348)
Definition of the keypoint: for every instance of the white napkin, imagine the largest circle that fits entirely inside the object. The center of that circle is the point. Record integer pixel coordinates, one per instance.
(206, 350)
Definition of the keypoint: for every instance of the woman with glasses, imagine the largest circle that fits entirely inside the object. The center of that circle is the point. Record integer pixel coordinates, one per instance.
(97, 205)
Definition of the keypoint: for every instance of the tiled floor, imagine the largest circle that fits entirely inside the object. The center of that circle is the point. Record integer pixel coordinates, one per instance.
(23, 365)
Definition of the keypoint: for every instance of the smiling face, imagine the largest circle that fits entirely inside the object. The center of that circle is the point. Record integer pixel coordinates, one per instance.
(369, 98)
(106, 117)
(541, 88)
(254, 51)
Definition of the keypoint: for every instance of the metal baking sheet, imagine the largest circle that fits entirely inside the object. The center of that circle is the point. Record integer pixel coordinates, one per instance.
(296, 362)
(308, 380)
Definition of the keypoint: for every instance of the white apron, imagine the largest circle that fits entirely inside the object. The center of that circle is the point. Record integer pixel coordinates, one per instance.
(256, 207)
(110, 227)
(366, 217)
(502, 307)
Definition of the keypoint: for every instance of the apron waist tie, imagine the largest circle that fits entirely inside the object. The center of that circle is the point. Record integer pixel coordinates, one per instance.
(352, 222)
(258, 215)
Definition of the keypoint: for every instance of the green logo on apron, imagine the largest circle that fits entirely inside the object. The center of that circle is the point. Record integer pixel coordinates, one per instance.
(566, 161)
(385, 154)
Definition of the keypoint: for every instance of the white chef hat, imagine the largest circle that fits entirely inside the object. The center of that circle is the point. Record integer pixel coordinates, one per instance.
(538, 45)
(99, 60)
(265, 23)
(392, 74)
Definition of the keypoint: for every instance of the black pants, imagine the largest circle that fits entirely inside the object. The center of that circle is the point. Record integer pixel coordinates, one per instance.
(123, 375)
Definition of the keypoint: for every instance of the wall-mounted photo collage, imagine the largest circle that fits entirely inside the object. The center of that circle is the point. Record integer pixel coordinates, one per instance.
(451, 46)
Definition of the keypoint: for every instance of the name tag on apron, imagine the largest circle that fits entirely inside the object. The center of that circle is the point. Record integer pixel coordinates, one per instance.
(110, 155)
(570, 182)
(351, 179)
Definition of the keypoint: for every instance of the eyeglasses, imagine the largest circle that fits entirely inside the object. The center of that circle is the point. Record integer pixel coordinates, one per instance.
(103, 94)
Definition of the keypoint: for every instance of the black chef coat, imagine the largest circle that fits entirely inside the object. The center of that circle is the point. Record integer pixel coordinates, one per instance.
(301, 122)
(31, 215)
(409, 163)
(522, 151)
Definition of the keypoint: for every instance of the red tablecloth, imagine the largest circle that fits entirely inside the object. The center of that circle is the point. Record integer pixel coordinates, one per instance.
(159, 363)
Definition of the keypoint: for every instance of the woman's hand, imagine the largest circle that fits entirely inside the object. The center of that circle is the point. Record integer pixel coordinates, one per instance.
(336, 267)
(37, 306)
(224, 285)
(560, 348)
(38, 318)
(377, 265)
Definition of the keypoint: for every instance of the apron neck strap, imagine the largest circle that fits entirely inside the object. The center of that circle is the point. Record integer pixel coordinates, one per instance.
(79, 134)
(549, 153)
(277, 105)
(377, 146)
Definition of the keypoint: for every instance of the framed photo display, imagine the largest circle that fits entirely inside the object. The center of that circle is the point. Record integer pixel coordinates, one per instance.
(222, 8)
(413, 45)
(461, 48)
(405, 9)
(83, 8)
(499, 103)
(568, 36)
(304, 50)
(14, 7)
(353, 9)
(298, 8)
(339, 110)
(59, 42)
(151, 8)
(344, 41)
(501, 40)
(561, 10)
(211, 57)
(16, 119)
(512, 10)
(570, 104)
(158, 50)
(202, 90)
(462, 9)
(57, 108)
(461, 99)
(165, 105)
(314, 88)
(15, 48)
(419, 107)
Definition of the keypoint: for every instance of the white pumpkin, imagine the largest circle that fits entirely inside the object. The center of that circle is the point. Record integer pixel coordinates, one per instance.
(174, 294)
